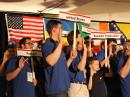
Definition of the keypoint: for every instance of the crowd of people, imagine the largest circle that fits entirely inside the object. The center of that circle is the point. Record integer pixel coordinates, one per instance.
(65, 71)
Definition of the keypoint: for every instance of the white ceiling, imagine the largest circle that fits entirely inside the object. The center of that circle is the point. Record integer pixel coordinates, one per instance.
(106, 10)
(40, 5)
(102, 10)
(36, 5)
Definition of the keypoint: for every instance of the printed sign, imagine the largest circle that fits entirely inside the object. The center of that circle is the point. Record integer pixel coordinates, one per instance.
(74, 17)
(29, 53)
(105, 35)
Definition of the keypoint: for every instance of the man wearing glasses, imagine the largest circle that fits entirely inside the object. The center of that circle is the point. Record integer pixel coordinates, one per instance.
(19, 74)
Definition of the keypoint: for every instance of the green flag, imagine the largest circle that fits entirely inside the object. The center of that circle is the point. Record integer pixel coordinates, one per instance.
(84, 29)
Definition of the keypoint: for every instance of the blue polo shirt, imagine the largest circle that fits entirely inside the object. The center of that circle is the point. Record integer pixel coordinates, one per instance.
(101, 55)
(20, 86)
(75, 74)
(125, 82)
(56, 77)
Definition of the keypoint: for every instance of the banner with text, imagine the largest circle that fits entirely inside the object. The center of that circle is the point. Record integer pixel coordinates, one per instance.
(75, 17)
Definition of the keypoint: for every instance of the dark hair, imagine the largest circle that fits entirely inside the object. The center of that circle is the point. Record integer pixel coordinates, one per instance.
(11, 44)
(102, 43)
(70, 37)
(40, 43)
(126, 42)
(91, 59)
(86, 41)
(51, 24)
(23, 40)
(111, 40)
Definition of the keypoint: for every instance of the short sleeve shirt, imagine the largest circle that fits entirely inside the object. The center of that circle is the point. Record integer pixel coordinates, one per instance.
(56, 77)
(75, 74)
(20, 85)
(125, 82)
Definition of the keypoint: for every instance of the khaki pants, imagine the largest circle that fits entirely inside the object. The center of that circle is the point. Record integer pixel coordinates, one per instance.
(78, 90)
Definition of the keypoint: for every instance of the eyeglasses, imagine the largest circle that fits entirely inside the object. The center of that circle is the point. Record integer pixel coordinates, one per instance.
(30, 43)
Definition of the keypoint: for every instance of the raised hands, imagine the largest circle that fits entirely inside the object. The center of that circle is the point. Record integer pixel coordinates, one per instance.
(6, 56)
(22, 62)
(92, 72)
(61, 41)
(73, 54)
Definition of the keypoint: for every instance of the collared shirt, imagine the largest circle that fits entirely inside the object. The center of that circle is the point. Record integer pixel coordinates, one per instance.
(21, 87)
(56, 77)
(101, 55)
(125, 82)
(113, 82)
(98, 87)
(76, 75)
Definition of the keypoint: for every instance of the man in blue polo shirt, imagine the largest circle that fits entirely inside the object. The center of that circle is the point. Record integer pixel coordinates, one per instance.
(19, 74)
(124, 69)
(55, 65)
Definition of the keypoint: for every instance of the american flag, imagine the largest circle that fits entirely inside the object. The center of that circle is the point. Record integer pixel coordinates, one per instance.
(25, 26)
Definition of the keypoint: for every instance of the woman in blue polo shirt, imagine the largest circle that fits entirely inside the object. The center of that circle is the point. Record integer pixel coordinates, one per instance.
(78, 86)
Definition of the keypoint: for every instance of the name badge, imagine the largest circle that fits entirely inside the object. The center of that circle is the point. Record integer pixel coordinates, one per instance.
(29, 76)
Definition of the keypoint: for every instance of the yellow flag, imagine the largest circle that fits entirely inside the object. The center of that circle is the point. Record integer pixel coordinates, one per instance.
(125, 28)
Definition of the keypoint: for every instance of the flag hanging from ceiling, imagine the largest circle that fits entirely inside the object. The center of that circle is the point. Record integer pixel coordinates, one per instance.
(25, 26)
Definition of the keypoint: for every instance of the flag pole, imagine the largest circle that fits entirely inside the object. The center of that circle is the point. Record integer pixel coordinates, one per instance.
(74, 37)
(90, 47)
(6, 20)
(106, 64)
(33, 73)
(44, 25)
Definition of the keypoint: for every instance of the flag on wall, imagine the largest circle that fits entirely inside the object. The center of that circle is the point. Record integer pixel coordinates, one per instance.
(24, 26)
(104, 26)
(125, 28)
(111, 28)
(67, 26)
(84, 29)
